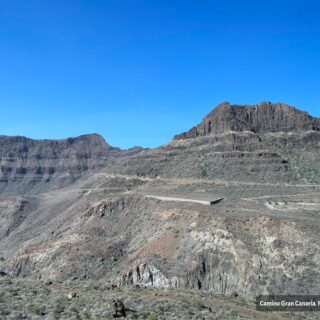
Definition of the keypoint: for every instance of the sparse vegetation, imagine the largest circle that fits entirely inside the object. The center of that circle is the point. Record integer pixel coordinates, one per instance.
(263, 237)
(27, 298)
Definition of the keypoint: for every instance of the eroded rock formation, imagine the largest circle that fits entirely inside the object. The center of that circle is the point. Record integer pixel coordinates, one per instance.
(264, 117)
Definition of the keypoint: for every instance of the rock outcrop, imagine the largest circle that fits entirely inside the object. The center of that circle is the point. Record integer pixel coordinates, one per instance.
(264, 117)
(264, 142)
(145, 274)
(263, 238)
(29, 166)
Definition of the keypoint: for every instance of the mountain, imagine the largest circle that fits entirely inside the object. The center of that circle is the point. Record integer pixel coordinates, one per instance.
(148, 217)
(265, 117)
(30, 166)
(260, 143)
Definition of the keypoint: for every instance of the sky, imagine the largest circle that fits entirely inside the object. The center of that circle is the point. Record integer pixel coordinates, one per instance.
(140, 71)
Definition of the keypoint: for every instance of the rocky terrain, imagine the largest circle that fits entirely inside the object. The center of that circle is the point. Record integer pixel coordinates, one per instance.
(243, 143)
(142, 217)
(33, 166)
(22, 298)
(264, 117)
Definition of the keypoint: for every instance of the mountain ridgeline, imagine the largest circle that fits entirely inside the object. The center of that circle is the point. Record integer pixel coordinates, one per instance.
(247, 142)
(31, 166)
(264, 117)
(258, 143)
(78, 208)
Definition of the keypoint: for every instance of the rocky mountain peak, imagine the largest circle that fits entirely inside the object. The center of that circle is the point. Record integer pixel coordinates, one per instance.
(260, 118)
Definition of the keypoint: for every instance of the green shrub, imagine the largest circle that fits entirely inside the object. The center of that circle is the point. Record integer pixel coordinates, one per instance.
(39, 310)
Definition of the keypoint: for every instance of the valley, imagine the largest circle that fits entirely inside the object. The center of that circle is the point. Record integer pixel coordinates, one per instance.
(220, 214)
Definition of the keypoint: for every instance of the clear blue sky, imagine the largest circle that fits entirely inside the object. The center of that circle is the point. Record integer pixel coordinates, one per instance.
(139, 72)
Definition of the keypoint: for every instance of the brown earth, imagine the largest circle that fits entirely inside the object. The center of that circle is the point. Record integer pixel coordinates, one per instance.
(100, 224)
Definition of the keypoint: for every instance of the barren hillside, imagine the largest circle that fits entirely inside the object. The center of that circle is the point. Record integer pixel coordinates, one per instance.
(143, 217)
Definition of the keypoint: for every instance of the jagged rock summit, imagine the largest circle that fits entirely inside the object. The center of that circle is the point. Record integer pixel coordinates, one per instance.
(260, 118)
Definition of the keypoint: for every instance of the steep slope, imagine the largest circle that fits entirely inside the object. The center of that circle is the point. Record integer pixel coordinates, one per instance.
(29, 166)
(119, 222)
(264, 117)
(260, 143)
(259, 239)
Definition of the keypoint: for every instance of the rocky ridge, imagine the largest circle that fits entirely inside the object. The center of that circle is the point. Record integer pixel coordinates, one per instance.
(265, 117)
(261, 143)
(262, 238)
(31, 166)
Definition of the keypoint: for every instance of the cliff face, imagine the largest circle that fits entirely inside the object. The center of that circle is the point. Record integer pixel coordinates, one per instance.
(260, 239)
(261, 118)
(260, 143)
(28, 165)
(264, 161)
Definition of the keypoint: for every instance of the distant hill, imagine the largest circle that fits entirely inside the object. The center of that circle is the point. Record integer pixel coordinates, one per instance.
(28, 165)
